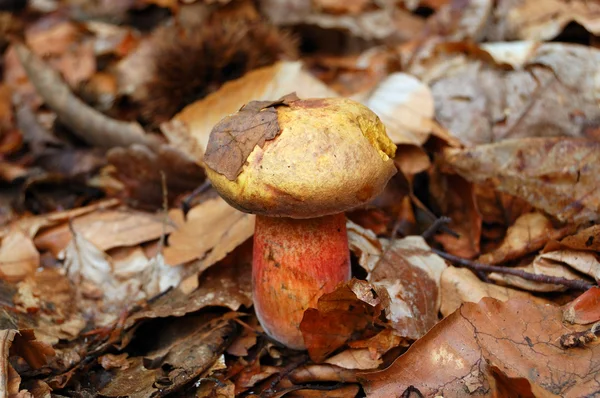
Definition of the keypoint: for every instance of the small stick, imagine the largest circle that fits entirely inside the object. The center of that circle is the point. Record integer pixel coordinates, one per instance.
(479, 267)
(87, 123)
(436, 226)
(186, 204)
(580, 339)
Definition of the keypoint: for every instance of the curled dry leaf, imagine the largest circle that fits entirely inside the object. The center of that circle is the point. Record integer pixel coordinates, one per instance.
(460, 285)
(586, 239)
(543, 19)
(226, 285)
(9, 378)
(210, 231)
(90, 125)
(96, 278)
(539, 266)
(585, 309)
(236, 136)
(349, 309)
(406, 276)
(518, 337)
(551, 90)
(557, 175)
(405, 106)
(529, 233)
(190, 129)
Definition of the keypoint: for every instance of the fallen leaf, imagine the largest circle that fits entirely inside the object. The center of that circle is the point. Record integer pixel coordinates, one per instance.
(455, 198)
(586, 239)
(556, 175)
(529, 233)
(9, 378)
(405, 106)
(519, 337)
(585, 309)
(582, 261)
(210, 231)
(543, 20)
(111, 361)
(18, 256)
(235, 137)
(407, 281)
(360, 358)
(350, 308)
(460, 285)
(141, 169)
(226, 285)
(539, 266)
(187, 348)
(482, 102)
(107, 229)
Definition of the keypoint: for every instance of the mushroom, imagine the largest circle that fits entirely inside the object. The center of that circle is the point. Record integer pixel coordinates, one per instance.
(298, 165)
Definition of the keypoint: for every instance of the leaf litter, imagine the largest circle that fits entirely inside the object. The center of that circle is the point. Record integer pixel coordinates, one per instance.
(474, 273)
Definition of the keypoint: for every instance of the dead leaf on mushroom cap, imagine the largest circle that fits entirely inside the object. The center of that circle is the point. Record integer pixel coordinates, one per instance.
(559, 175)
(234, 138)
(519, 337)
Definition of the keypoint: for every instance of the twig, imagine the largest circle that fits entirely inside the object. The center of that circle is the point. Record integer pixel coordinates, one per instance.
(186, 204)
(479, 267)
(90, 125)
(436, 226)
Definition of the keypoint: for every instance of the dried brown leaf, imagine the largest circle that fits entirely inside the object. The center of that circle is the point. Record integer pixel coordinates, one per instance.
(543, 19)
(227, 285)
(187, 348)
(557, 175)
(350, 308)
(360, 358)
(529, 233)
(586, 239)
(407, 280)
(460, 285)
(518, 337)
(210, 231)
(18, 256)
(235, 137)
(585, 309)
(107, 229)
(455, 198)
(482, 101)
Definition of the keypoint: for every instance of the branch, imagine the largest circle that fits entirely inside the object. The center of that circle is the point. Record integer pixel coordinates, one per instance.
(87, 123)
(479, 267)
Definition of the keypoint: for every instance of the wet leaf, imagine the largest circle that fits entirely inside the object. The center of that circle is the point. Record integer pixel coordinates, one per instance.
(518, 337)
(557, 175)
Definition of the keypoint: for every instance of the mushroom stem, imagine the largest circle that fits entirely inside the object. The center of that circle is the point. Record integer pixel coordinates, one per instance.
(295, 262)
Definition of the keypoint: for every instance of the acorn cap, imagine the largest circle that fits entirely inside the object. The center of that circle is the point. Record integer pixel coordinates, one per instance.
(321, 157)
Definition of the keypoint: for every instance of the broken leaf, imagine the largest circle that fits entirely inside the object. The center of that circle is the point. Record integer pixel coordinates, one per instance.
(557, 175)
(519, 337)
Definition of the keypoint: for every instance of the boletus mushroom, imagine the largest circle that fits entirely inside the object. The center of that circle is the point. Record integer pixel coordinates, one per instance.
(298, 164)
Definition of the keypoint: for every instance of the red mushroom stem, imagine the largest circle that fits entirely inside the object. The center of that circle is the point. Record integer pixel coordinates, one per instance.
(295, 262)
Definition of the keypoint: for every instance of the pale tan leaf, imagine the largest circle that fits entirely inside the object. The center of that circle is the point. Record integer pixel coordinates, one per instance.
(212, 229)
(18, 256)
(460, 285)
(360, 358)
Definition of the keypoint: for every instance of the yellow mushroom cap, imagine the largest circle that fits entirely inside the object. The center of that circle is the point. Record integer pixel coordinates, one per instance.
(330, 155)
